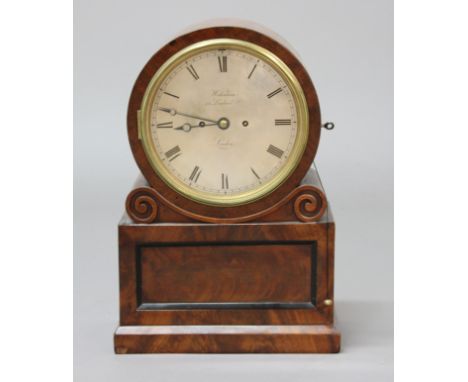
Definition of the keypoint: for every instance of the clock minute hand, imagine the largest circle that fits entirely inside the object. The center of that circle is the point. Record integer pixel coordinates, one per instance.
(174, 112)
(195, 117)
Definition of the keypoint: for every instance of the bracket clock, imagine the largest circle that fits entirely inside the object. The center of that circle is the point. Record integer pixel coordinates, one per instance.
(227, 243)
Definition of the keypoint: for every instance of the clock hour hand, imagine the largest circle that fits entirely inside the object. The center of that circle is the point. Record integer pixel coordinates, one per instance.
(175, 112)
(187, 126)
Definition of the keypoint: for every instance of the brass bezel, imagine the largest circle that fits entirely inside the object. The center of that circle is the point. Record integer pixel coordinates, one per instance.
(144, 124)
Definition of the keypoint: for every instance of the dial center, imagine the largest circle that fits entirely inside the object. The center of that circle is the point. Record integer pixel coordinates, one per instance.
(223, 123)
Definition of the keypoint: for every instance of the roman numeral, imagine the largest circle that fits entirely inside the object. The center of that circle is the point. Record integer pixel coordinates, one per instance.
(253, 172)
(172, 95)
(275, 92)
(251, 72)
(224, 182)
(173, 153)
(222, 61)
(164, 125)
(195, 174)
(193, 72)
(275, 151)
(282, 122)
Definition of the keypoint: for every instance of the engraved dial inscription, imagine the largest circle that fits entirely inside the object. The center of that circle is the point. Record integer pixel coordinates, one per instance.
(223, 122)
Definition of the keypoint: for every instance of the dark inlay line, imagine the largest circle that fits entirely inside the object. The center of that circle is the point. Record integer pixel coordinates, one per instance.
(225, 305)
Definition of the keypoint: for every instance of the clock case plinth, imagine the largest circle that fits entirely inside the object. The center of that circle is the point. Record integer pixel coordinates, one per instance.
(261, 286)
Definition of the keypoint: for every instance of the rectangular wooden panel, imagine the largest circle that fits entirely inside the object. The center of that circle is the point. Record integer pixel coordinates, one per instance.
(220, 274)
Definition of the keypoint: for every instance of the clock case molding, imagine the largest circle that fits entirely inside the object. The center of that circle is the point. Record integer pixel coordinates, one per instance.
(255, 278)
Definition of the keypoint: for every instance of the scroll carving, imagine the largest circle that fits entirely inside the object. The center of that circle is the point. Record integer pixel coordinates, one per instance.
(142, 205)
(306, 203)
(309, 206)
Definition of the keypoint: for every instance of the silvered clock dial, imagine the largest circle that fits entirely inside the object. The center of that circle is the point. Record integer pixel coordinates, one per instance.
(224, 122)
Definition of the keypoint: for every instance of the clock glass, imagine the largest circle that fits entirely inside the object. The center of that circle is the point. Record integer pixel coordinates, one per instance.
(224, 122)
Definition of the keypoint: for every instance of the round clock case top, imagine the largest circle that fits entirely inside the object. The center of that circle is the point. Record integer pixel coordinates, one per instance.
(225, 121)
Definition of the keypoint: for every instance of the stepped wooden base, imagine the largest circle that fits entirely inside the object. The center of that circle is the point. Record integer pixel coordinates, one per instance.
(227, 339)
(251, 287)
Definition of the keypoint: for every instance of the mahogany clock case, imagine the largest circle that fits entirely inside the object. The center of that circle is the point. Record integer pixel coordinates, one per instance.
(255, 278)
(203, 211)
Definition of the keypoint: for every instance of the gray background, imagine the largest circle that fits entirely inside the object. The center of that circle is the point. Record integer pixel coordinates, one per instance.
(347, 47)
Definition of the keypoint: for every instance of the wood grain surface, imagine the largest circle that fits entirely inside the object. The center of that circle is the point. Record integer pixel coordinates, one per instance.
(271, 273)
(261, 275)
(227, 339)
